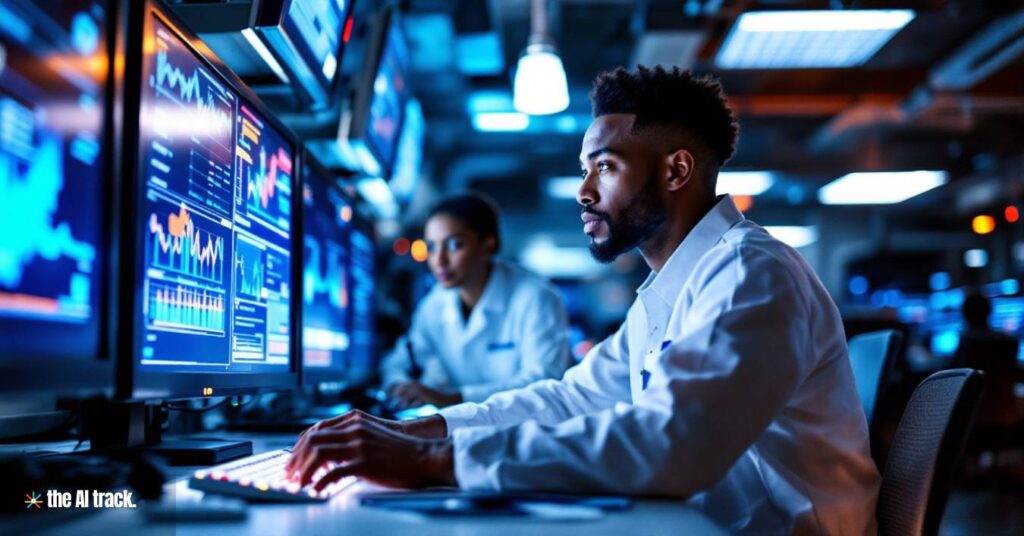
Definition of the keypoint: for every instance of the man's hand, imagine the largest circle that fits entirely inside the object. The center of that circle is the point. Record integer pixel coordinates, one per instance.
(373, 449)
(412, 394)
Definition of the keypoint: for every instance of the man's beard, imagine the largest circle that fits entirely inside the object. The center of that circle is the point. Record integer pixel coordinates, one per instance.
(642, 218)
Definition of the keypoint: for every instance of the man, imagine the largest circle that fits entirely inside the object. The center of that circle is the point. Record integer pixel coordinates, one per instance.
(729, 383)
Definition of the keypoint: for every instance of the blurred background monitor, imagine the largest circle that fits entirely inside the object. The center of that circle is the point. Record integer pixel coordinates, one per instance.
(56, 188)
(381, 94)
(326, 280)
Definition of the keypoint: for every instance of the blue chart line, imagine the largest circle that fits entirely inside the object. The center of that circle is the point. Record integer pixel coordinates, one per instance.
(249, 269)
(28, 205)
(316, 282)
(190, 91)
(186, 308)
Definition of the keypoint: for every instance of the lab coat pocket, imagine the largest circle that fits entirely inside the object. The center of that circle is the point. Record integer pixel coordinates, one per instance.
(502, 360)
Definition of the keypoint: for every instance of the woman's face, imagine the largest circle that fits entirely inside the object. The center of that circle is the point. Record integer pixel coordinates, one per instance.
(456, 251)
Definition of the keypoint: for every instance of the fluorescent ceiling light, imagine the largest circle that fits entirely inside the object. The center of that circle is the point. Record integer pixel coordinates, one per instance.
(501, 122)
(564, 187)
(879, 188)
(744, 182)
(806, 39)
(540, 87)
(796, 236)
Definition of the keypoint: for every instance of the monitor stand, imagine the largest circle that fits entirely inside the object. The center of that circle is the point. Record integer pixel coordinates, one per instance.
(117, 427)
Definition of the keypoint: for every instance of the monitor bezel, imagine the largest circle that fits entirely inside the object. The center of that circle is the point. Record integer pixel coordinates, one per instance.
(133, 383)
(39, 376)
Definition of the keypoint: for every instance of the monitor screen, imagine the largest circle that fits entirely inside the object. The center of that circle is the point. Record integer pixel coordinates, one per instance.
(363, 347)
(326, 290)
(53, 169)
(216, 179)
(410, 153)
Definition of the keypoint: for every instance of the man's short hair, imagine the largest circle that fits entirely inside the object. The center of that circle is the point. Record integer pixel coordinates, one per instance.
(672, 97)
(474, 209)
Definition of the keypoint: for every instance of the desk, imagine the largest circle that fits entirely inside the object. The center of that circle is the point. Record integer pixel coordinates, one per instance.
(344, 516)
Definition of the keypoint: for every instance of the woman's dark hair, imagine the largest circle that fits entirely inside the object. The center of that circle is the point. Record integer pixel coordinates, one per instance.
(476, 210)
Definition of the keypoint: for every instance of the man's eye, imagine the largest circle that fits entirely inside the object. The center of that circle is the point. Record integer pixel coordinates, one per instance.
(583, 173)
(603, 166)
(453, 245)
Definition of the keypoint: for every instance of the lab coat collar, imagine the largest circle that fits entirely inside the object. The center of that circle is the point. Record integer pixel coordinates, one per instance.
(708, 231)
(494, 299)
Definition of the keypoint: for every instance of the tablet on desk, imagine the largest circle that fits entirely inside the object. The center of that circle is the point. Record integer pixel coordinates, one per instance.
(488, 503)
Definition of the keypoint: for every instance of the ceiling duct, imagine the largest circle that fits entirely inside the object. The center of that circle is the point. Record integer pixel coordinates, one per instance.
(998, 44)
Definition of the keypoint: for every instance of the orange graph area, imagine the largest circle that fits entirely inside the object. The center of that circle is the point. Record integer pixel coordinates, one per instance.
(180, 226)
(28, 303)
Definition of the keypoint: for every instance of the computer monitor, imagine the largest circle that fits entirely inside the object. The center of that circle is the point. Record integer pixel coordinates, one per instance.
(211, 306)
(409, 158)
(326, 282)
(380, 96)
(362, 352)
(57, 185)
(307, 38)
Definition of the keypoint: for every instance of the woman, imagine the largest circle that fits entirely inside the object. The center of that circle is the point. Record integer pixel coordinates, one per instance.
(487, 326)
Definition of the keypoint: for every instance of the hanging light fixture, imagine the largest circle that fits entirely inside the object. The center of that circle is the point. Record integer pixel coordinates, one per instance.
(540, 87)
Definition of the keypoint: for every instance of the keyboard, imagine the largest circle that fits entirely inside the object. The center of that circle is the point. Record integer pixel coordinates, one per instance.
(261, 478)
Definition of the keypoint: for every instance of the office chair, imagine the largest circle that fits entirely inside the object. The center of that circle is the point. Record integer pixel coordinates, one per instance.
(925, 452)
(873, 358)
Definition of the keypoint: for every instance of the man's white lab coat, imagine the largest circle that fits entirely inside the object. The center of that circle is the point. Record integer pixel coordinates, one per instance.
(729, 384)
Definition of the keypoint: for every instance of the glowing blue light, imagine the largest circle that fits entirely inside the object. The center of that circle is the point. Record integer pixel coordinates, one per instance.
(945, 342)
(85, 35)
(939, 281)
(858, 285)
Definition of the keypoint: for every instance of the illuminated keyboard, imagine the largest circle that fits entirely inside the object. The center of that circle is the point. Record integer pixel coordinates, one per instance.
(262, 478)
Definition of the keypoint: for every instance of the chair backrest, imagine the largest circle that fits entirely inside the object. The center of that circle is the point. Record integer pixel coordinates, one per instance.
(873, 358)
(925, 452)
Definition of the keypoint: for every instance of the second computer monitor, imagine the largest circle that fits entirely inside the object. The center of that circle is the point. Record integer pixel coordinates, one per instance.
(338, 337)
(215, 218)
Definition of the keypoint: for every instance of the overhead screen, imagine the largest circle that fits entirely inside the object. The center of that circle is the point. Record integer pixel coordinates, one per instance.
(53, 86)
(217, 178)
(371, 130)
(308, 37)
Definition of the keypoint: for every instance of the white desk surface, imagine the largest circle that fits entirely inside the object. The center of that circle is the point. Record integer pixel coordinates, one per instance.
(343, 515)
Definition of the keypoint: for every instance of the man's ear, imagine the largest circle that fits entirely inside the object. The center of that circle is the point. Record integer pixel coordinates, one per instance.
(681, 169)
